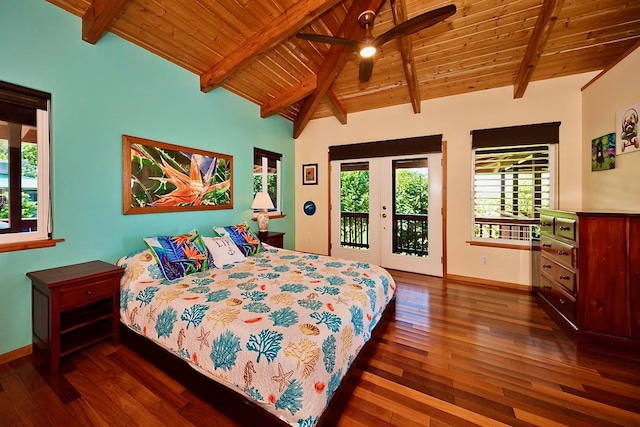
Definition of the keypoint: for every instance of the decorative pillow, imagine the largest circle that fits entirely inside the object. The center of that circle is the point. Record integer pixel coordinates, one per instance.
(178, 256)
(242, 236)
(223, 250)
(141, 266)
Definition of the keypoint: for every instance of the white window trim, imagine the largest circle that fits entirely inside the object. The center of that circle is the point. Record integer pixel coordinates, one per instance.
(44, 223)
(265, 167)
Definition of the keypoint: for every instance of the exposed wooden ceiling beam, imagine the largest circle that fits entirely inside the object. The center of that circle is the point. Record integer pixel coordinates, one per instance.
(544, 25)
(335, 106)
(283, 27)
(399, 11)
(288, 98)
(333, 62)
(99, 17)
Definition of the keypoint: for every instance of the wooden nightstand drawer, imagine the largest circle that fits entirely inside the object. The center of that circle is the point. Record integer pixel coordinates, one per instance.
(79, 295)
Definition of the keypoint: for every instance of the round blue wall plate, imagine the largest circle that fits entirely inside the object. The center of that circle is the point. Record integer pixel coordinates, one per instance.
(309, 207)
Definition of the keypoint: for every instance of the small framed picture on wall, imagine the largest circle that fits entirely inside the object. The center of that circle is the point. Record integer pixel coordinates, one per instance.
(627, 130)
(310, 174)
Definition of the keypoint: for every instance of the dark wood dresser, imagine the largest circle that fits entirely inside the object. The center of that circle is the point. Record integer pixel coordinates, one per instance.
(75, 306)
(273, 238)
(590, 278)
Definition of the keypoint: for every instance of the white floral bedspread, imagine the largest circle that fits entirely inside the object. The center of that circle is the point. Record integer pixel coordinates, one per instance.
(282, 327)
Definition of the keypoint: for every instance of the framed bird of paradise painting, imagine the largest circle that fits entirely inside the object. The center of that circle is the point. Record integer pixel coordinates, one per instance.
(161, 177)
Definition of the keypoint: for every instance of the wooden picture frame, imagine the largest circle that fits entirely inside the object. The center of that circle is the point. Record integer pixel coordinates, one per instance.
(310, 174)
(160, 177)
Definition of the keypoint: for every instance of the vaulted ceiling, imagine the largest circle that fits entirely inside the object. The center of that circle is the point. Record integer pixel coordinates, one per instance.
(249, 47)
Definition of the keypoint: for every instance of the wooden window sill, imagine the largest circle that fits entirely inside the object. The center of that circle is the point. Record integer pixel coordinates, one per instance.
(32, 244)
(499, 245)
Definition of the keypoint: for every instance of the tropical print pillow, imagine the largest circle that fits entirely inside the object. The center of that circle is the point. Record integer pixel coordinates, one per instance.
(178, 256)
(242, 236)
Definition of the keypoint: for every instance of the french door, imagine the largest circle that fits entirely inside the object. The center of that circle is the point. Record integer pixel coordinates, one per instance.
(387, 211)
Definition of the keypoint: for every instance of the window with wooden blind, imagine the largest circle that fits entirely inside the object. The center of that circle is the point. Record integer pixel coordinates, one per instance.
(511, 182)
(24, 167)
(267, 175)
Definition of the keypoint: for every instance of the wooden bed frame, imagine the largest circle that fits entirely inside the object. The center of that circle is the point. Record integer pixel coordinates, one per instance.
(234, 405)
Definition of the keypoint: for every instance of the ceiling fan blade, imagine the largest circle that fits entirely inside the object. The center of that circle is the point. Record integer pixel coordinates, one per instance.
(417, 23)
(320, 38)
(366, 68)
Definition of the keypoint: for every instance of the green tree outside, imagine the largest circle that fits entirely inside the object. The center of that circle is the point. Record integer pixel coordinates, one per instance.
(411, 198)
(412, 193)
(354, 191)
(30, 170)
(29, 208)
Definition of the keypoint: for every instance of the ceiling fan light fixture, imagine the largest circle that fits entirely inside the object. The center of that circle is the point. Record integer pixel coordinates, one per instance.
(368, 51)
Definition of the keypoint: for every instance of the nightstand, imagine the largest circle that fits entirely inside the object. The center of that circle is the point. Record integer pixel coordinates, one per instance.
(273, 238)
(75, 306)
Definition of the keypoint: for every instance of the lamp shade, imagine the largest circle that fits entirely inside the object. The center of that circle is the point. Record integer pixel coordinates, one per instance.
(262, 201)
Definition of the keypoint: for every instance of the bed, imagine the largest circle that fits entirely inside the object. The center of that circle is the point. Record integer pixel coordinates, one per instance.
(281, 329)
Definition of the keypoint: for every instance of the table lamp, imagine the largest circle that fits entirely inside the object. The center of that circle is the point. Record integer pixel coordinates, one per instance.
(263, 202)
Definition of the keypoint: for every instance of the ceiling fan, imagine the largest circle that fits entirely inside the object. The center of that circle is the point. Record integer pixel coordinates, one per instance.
(368, 46)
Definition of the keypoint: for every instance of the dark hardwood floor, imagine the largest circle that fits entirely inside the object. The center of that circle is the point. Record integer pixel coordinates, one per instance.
(455, 355)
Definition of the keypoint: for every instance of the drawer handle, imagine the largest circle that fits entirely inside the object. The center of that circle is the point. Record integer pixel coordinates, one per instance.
(562, 301)
(545, 224)
(88, 292)
(563, 253)
(565, 228)
(546, 287)
(561, 277)
(546, 245)
(546, 266)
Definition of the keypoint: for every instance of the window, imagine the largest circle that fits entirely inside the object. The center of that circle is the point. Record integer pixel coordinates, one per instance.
(267, 174)
(514, 176)
(24, 164)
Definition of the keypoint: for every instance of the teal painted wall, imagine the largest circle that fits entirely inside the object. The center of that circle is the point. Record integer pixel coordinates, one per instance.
(100, 92)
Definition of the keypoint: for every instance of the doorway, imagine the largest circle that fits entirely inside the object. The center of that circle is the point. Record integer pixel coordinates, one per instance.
(387, 211)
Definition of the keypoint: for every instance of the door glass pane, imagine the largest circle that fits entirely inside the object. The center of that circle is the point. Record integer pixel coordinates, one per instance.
(354, 205)
(411, 207)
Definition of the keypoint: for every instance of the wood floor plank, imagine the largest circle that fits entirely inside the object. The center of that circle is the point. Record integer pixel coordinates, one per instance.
(124, 401)
(8, 414)
(46, 399)
(167, 414)
(98, 400)
(152, 377)
(85, 414)
(23, 402)
(429, 401)
(453, 354)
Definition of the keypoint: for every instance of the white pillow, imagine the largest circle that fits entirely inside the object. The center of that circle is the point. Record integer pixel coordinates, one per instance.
(223, 250)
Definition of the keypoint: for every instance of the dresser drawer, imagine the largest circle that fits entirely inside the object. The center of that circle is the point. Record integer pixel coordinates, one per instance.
(566, 227)
(561, 252)
(558, 298)
(79, 295)
(560, 274)
(546, 224)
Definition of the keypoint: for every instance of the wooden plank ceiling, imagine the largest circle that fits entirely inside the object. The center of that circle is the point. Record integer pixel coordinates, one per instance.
(249, 47)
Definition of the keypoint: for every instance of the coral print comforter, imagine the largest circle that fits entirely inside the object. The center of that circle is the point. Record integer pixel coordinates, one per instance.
(281, 327)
